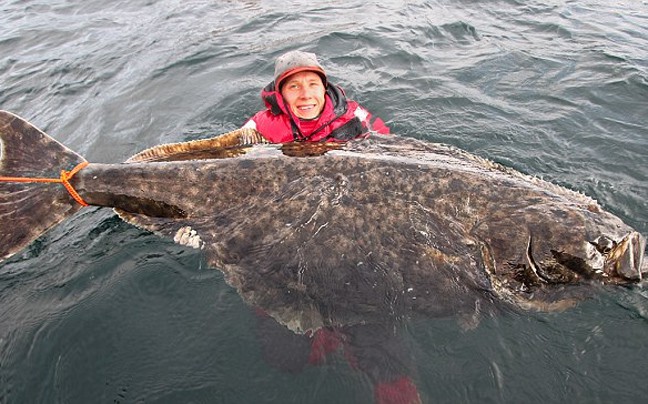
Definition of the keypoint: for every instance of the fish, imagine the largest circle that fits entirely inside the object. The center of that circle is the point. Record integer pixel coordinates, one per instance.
(328, 233)
(338, 242)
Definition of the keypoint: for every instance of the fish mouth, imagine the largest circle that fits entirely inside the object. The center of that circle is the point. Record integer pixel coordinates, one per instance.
(626, 258)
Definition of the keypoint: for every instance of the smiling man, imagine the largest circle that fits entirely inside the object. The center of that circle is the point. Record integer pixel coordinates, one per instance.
(304, 93)
(301, 105)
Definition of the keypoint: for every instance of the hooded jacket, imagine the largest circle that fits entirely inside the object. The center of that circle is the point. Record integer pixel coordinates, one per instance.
(341, 119)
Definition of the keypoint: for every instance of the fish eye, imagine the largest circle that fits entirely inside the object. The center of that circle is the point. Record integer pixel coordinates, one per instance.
(603, 244)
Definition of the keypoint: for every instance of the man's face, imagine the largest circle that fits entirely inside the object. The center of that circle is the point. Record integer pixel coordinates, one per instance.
(304, 94)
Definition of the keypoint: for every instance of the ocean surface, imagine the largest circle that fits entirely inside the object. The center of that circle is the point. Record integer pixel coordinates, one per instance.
(98, 311)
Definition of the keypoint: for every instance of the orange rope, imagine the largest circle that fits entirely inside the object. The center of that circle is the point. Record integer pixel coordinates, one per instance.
(65, 178)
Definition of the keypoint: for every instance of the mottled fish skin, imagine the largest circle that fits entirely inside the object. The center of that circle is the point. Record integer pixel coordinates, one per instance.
(371, 231)
(378, 229)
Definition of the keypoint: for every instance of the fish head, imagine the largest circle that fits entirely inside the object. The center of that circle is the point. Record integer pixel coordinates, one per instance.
(623, 261)
(557, 272)
(605, 259)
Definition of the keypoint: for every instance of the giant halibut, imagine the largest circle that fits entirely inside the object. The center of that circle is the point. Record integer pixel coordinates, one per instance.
(329, 234)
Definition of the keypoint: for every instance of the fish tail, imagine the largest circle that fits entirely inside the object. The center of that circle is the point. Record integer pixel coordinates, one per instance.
(28, 209)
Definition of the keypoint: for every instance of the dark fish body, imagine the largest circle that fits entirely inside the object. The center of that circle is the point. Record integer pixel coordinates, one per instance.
(368, 232)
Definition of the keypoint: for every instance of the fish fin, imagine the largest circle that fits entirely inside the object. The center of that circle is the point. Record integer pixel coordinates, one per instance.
(227, 145)
(309, 149)
(179, 230)
(28, 210)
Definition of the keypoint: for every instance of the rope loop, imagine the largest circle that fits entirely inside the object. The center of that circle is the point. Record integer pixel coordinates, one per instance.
(64, 179)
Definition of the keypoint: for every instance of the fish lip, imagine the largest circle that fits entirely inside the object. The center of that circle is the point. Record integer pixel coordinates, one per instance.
(626, 259)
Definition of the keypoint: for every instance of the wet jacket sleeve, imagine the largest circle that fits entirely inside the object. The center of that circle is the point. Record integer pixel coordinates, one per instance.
(371, 123)
(251, 124)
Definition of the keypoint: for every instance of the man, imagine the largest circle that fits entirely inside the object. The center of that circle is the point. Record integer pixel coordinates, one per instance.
(301, 105)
